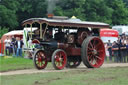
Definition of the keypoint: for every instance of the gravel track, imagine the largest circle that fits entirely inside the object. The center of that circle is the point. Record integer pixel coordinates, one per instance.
(81, 67)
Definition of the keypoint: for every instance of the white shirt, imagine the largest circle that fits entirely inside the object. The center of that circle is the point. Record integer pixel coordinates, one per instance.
(7, 42)
(30, 42)
(18, 44)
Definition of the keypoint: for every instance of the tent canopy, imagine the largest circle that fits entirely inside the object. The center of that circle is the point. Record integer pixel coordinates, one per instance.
(15, 32)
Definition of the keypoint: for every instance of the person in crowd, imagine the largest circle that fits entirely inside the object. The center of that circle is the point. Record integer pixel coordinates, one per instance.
(106, 50)
(127, 49)
(13, 45)
(109, 45)
(119, 50)
(123, 38)
(7, 45)
(115, 51)
(10, 47)
(123, 51)
(19, 44)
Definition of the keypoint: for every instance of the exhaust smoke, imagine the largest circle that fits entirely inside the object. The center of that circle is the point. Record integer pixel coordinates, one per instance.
(51, 5)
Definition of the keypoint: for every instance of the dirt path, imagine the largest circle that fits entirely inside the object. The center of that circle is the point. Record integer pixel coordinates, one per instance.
(82, 67)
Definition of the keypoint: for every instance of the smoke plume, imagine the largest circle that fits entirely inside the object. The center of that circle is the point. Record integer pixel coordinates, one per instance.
(51, 5)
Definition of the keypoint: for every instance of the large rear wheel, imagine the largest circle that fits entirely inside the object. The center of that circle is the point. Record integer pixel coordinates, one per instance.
(59, 59)
(40, 60)
(93, 52)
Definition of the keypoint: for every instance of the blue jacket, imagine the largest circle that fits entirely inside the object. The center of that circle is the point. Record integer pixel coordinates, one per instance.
(127, 47)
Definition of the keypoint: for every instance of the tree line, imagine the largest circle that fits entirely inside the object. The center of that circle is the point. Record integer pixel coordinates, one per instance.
(13, 12)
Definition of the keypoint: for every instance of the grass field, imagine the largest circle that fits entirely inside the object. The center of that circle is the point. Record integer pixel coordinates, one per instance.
(100, 76)
(7, 64)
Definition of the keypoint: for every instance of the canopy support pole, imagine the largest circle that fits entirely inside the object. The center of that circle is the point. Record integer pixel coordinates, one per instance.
(45, 30)
(41, 36)
(31, 30)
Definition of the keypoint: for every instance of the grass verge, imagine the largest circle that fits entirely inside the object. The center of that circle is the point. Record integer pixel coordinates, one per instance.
(17, 63)
(100, 76)
(7, 64)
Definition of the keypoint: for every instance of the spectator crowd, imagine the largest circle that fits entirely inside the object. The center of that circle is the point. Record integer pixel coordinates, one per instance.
(118, 50)
(13, 46)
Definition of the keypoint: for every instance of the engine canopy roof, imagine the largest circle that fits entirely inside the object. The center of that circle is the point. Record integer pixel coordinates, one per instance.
(66, 23)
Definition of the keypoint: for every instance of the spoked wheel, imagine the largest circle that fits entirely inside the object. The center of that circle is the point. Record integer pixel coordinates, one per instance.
(59, 59)
(93, 52)
(73, 62)
(40, 60)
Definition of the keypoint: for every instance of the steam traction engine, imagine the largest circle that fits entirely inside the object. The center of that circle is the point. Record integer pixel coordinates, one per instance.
(66, 43)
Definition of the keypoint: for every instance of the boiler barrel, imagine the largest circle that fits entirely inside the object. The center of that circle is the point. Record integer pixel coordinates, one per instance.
(54, 44)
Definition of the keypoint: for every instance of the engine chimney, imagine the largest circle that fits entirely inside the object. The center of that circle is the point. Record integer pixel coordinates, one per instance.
(50, 16)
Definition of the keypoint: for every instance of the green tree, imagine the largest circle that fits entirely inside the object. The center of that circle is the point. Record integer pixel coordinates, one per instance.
(70, 8)
(90, 10)
(120, 13)
(13, 12)
(97, 10)
(33, 8)
(3, 31)
(8, 17)
(126, 2)
(30, 9)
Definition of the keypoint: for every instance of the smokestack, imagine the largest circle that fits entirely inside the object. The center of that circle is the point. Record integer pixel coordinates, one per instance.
(50, 15)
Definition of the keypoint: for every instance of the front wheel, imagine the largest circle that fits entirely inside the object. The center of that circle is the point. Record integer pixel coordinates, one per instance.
(40, 60)
(59, 59)
(93, 52)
